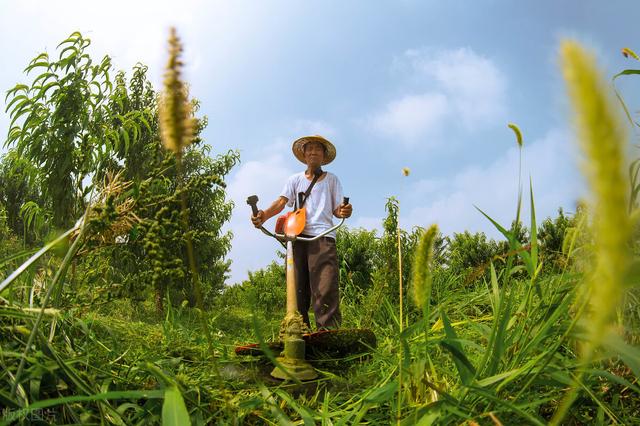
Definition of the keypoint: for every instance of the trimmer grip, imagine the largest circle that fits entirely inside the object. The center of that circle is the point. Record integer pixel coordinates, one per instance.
(253, 202)
(345, 201)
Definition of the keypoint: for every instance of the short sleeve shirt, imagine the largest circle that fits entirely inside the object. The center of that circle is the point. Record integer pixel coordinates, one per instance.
(325, 197)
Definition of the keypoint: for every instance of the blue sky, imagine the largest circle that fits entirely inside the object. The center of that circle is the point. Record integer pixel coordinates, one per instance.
(428, 85)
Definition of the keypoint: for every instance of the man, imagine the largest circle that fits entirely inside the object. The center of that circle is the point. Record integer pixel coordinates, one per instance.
(316, 261)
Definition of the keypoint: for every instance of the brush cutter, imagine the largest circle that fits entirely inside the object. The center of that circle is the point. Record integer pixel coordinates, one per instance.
(293, 335)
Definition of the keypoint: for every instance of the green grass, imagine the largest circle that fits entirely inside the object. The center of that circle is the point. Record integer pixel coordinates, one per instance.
(494, 351)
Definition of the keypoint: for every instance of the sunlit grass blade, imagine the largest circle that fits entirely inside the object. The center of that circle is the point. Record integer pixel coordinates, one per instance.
(174, 411)
(508, 406)
(498, 341)
(628, 353)
(71, 252)
(277, 412)
(514, 244)
(534, 233)
(466, 370)
(15, 274)
(14, 256)
(306, 414)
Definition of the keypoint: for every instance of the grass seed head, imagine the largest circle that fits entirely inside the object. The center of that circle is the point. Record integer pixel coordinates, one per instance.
(518, 133)
(626, 52)
(603, 140)
(176, 121)
(423, 267)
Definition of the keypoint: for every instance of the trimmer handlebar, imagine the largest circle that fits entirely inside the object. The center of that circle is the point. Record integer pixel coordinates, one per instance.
(252, 200)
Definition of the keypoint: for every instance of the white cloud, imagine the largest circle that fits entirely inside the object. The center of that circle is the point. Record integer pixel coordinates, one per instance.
(412, 117)
(461, 87)
(474, 83)
(494, 189)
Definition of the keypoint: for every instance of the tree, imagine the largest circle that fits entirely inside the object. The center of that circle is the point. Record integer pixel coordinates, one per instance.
(469, 254)
(77, 127)
(63, 124)
(356, 250)
(150, 256)
(551, 236)
(19, 186)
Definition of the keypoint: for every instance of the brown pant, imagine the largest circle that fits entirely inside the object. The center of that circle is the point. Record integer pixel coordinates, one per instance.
(316, 266)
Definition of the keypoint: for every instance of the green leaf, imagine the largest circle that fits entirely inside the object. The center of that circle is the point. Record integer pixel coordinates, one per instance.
(15, 256)
(16, 273)
(44, 77)
(146, 123)
(629, 354)
(73, 38)
(626, 72)
(383, 393)
(512, 408)
(304, 412)
(24, 98)
(134, 127)
(624, 107)
(28, 69)
(276, 411)
(18, 87)
(174, 411)
(514, 244)
(18, 108)
(125, 135)
(23, 110)
(46, 87)
(250, 403)
(466, 371)
(534, 231)
(97, 85)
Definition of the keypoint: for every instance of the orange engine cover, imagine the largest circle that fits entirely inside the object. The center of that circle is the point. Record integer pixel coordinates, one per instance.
(295, 222)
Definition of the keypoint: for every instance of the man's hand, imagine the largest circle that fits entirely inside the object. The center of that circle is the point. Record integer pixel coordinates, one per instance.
(344, 211)
(258, 220)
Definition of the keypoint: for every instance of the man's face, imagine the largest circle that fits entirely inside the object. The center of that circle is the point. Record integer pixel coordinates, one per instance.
(314, 154)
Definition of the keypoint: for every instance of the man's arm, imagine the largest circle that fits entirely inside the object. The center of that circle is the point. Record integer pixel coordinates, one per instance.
(263, 215)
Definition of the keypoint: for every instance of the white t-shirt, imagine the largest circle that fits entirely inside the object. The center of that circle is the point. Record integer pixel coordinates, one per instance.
(325, 197)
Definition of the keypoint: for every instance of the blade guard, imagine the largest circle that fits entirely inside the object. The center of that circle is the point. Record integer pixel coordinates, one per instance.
(295, 222)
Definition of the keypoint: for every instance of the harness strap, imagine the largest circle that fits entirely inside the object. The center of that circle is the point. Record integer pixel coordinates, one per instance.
(302, 196)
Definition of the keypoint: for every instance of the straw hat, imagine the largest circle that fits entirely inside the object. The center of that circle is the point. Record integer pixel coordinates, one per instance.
(298, 148)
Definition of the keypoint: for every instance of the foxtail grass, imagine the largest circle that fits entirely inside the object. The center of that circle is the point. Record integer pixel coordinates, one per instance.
(177, 132)
(176, 121)
(518, 134)
(421, 285)
(603, 140)
(176, 127)
(423, 268)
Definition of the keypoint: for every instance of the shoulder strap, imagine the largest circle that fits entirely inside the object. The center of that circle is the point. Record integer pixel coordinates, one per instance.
(302, 196)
